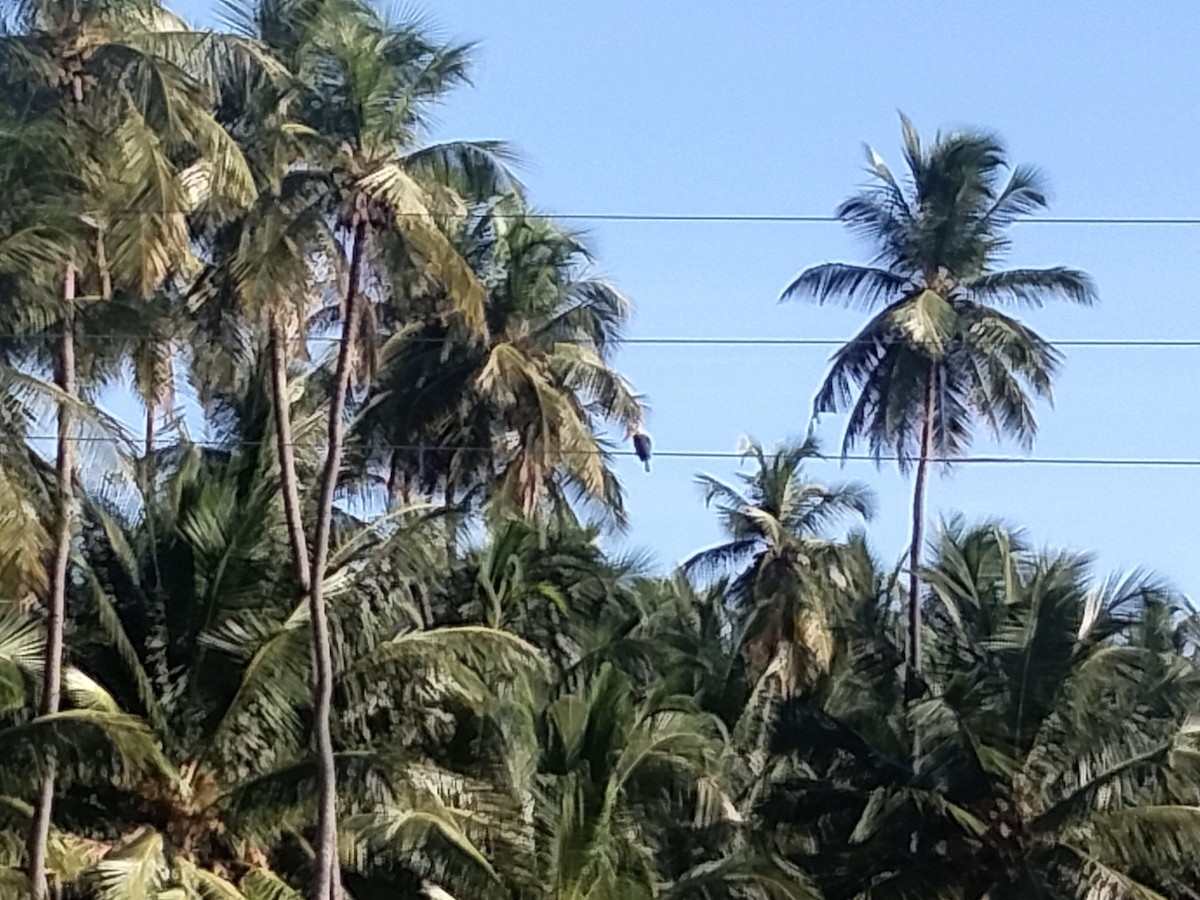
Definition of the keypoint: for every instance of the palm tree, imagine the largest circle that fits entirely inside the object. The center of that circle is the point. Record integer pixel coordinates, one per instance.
(1029, 784)
(518, 415)
(585, 807)
(263, 273)
(367, 85)
(34, 234)
(938, 355)
(181, 615)
(549, 581)
(175, 589)
(781, 560)
(260, 283)
(111, 75)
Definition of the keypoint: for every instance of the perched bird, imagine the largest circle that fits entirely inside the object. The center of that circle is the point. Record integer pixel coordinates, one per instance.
(641, 446)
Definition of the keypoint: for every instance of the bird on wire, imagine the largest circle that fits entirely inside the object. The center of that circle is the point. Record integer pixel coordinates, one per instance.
(641, 446)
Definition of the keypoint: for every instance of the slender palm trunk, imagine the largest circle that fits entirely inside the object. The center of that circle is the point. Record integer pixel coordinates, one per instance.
(918, 537)
(39, 831)
(289, 487)
(151, 423)
(288, 481)
(393, 482)
(451, 519)
(327, 886)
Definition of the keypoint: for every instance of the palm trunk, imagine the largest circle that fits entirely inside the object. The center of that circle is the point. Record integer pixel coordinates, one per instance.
(151, 436)
(39, 831)
(451, 520)
(289, 487)
(393, 482)
(288, 481)
(918, 537)
(327, 886)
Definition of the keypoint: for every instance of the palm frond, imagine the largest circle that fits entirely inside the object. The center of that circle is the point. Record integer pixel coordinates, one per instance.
(1031, 288)
(73, 735)
(858, 287)
(135, 870)
(767, 876)
(413, 212)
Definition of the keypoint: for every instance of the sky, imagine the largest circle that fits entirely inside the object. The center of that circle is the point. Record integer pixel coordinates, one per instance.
(667, 106)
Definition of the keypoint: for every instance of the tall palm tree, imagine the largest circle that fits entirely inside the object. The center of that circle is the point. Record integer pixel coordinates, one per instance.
(781, 557)
(366, 86)
(112, 75)
(34, 235)
(181, 614)
(263, 272)
(260, 284)
(939, 355)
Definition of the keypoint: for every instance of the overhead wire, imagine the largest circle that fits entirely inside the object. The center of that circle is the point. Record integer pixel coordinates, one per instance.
(701, 218)
(986, 460)
(659, 341)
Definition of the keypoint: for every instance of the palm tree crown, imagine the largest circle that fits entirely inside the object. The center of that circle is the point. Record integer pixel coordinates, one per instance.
(936, 296)
(518, 412)
(778, 537)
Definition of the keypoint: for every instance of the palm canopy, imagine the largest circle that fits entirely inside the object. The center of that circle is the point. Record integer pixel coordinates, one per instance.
(367, 86)
(1059, 756)
(129, 90)
(780, 554)
(147, 150)
(593, 793)
(519, 413)
(186, 621)
(355, 207)
(939, 330)
(779, 505)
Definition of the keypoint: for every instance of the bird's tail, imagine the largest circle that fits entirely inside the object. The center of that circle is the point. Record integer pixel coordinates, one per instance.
(647, 465)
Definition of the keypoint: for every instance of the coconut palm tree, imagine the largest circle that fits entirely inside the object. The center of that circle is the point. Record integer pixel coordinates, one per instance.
(550, 582)
(192, 626)
(34, 235)
(780, 556)
(134, 117)
(367, 85)
(258, 291)
(255, 294)
(584, 809)
(519, 414)
(939, 355)
(1028, 784)
(265, 270)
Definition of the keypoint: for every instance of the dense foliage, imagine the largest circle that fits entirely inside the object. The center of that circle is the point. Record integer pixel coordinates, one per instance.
(364, 639)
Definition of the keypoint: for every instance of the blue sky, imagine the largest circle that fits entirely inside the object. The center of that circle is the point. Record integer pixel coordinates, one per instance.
(684, 107)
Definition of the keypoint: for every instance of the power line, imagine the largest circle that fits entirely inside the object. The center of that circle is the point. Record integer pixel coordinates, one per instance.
(836, 342)
(1090, 461)
(816, 219)
(665, 341)
(701, 218)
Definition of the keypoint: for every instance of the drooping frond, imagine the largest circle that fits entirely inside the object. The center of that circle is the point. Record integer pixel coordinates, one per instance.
(854, 286)
(1032, 287)
(74, 734)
